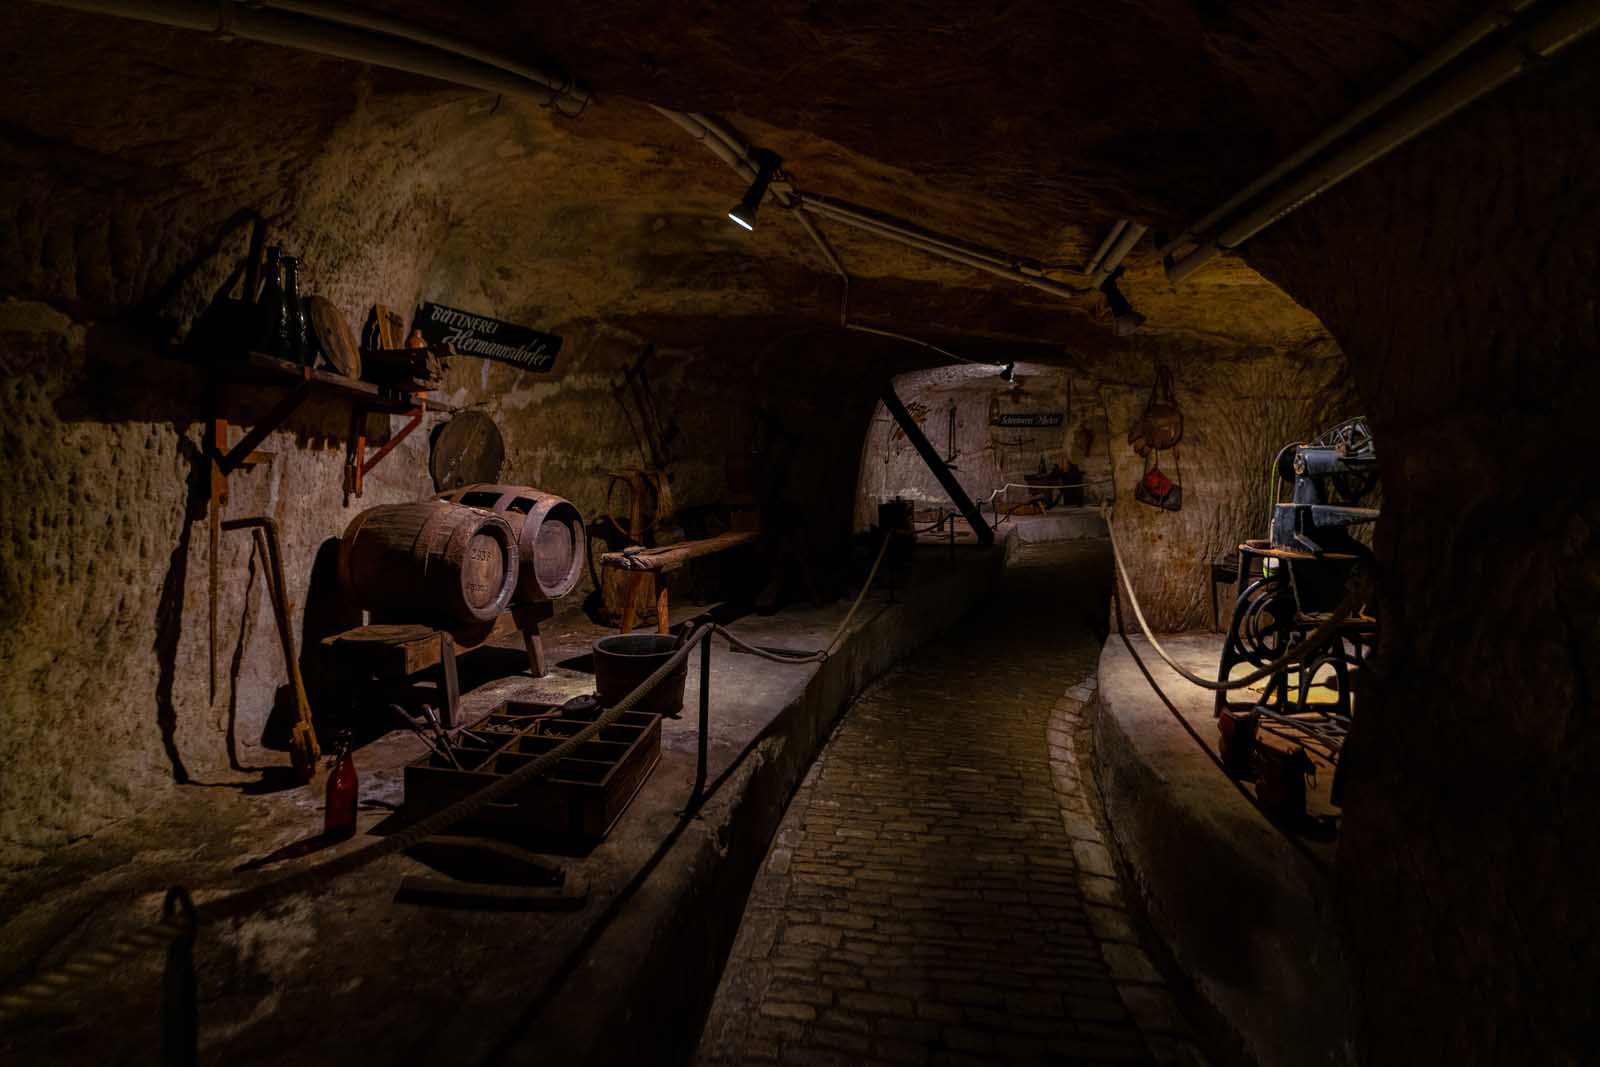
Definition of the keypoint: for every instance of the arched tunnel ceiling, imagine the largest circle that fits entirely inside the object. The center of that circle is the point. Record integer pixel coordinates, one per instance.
(1030, 126)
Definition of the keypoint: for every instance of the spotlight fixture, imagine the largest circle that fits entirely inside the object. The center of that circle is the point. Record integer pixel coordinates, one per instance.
(1123, 318)
(745, 213)
(1008, 372)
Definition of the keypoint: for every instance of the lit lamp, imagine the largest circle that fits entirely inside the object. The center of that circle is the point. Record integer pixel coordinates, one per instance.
(745, 213)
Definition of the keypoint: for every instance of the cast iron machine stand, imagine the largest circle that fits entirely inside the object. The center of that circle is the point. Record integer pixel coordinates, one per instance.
(1292, 583)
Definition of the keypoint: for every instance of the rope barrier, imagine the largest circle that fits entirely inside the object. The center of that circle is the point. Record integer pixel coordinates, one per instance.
(182, 925)
(55, 981)
(1322, 635)
(1317, 863)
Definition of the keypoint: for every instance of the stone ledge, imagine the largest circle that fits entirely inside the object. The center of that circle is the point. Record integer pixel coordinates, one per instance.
(1245, 915)
(648, 979)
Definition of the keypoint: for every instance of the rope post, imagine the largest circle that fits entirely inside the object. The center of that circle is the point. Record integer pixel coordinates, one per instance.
(705, 719)
(180, 1014)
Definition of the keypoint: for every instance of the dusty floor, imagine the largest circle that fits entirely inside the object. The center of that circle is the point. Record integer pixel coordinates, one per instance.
(939, 891)
(346, 967)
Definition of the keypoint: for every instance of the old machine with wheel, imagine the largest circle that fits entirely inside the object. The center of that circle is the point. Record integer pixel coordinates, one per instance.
(1305, 578)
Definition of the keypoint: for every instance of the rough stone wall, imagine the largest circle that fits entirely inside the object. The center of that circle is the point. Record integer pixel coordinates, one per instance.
(1240, 407)
(1459, 276)
(1239, 410)
(986, 457)
(116, 233)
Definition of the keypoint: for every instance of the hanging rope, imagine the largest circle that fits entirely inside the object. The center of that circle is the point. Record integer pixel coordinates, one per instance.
(1322, 635)
(182, 918)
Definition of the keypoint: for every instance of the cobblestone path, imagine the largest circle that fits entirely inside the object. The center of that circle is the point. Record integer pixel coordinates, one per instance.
(939, 891)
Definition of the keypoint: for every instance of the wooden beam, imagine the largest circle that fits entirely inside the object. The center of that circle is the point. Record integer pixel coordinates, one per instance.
(940, 469)
(671, 557)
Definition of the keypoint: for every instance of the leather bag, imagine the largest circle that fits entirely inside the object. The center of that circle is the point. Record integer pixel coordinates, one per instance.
(1161, 425)
(1157, 490)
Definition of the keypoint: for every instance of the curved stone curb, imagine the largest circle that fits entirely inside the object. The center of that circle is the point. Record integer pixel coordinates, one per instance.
(1139, 982)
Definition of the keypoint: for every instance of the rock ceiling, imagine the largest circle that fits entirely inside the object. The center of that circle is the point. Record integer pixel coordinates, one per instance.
(1027, 126)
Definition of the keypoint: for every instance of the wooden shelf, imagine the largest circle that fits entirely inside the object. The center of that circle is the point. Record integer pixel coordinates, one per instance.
(302, 382)
(256, 368)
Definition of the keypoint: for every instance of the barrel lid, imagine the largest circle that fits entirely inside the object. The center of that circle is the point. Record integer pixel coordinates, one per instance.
(466, 449)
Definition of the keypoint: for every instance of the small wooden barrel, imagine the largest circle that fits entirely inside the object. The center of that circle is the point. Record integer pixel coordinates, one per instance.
(550, 535)
(430, 560)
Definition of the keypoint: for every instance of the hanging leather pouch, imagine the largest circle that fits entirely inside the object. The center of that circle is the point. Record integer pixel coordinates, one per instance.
(1157, 490)
(1161, 425)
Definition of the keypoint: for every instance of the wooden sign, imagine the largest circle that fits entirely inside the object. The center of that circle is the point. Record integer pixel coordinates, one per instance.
(476, 335)
(1027, 418)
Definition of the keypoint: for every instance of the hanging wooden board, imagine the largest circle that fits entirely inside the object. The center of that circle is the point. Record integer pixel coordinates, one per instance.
(334, 335)
(1026, 418)
(467, 449)
(479, 335)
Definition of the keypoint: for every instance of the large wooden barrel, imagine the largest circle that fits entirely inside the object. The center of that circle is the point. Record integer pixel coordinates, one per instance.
(430, 560)
(549, 535)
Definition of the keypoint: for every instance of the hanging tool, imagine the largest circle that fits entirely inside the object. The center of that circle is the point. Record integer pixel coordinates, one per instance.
(654, 437)
(303, 748)
(951, 455)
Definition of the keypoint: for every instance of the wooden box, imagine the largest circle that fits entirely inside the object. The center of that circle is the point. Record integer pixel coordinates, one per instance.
(581, 798)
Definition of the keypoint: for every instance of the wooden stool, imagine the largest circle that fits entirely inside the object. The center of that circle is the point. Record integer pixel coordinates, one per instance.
(387, 654)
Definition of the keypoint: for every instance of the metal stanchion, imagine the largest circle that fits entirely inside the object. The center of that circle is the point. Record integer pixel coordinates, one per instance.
(180, 1014)
(705, 719)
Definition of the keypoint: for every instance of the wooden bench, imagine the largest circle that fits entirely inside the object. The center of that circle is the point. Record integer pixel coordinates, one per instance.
(637, 561)
(389, 654)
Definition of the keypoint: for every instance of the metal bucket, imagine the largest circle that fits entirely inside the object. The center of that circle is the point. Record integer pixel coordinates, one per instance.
(622, 661)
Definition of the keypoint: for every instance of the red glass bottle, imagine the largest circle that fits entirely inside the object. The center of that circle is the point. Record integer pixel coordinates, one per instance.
(339, 815)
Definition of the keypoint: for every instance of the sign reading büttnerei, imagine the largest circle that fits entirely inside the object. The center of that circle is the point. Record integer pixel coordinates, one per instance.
(1027, 418)
(476, 335)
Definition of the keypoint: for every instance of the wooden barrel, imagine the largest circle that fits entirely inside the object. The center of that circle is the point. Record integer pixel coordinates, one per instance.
(430, 560)
(549, 530)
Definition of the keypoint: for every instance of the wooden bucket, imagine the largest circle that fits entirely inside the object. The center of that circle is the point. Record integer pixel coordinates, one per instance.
(430, 560)
(550, 535)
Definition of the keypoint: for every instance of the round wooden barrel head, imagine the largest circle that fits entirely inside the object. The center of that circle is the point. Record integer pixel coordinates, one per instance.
(333, 334)
(467, 449)
(483, 571)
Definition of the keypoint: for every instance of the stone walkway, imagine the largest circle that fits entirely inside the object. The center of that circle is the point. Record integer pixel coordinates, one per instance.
(940, 891)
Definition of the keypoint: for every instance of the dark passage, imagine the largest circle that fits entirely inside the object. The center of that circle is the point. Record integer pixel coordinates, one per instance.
(923, 901)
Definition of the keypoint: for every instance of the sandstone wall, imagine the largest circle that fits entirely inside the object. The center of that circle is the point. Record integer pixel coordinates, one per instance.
(1240, 407)
(1459, 276)
(986, 457)
(117, 231)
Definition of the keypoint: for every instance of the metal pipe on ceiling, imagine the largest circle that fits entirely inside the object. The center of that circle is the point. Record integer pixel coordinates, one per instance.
(820, 206)
(1119, 250)
(1552, 32)
(914, 240)
(1427, 66)
(714, 144)
(1105, 246)
(852, 213)
(415, 52)
(371, 20)
(734, 152)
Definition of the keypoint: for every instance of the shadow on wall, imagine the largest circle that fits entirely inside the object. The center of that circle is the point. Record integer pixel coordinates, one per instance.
(169, 608)
(327, 612)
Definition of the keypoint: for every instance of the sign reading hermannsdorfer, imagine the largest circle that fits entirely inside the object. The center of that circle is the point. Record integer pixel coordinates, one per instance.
(475, 335)
(1027, 418)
